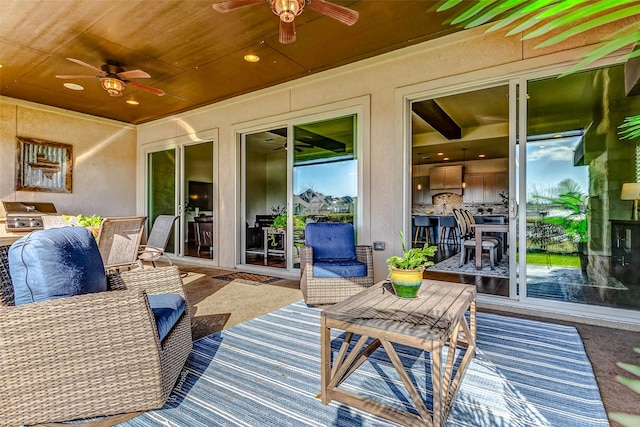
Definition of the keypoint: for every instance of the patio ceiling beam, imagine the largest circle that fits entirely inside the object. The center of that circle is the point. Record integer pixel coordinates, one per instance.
(437, 118)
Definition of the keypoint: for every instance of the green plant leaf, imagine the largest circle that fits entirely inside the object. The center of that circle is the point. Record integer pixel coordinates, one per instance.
(633, 369)
(562, 6)
(448, 5)
(630, 128)
(583, 27)
(492, 13)
(627, 420)
(523, 11)
(632, 384)
(473, 10)
(602, 51)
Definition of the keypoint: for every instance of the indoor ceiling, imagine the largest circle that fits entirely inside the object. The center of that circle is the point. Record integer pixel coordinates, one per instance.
(192, 52)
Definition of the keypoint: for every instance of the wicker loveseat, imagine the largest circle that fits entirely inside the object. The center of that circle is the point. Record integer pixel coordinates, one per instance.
(89, 355)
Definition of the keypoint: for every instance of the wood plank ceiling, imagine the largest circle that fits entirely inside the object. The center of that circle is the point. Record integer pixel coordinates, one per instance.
(192, 52)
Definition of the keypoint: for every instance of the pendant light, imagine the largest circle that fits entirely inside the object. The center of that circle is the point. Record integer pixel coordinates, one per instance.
(419, 186)
(464, 162)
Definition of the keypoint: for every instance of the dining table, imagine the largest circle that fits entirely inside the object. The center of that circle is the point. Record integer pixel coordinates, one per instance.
(480, 228)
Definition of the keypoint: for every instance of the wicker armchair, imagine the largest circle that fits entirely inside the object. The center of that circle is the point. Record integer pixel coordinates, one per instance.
(330, 290)
(89, 355)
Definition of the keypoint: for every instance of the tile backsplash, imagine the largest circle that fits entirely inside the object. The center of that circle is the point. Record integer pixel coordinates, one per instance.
(444, 203)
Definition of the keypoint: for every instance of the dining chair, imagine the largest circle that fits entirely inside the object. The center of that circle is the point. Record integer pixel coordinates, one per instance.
(204, 232)
(156, 244)
(54, 221)
(468, 238)
(471, 220)
(119, 240)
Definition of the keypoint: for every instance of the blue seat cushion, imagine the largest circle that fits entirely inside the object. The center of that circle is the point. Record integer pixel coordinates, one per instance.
(167, 309)
(331, 241)
(55, 263)
(341, 268)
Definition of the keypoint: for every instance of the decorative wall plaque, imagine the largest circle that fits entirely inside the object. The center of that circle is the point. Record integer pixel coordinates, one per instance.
(43, 166)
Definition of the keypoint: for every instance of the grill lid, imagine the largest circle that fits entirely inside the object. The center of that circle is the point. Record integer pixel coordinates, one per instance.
(27, 209)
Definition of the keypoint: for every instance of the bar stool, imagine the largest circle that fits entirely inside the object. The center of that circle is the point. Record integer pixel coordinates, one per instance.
(423, 224)
(449, 230)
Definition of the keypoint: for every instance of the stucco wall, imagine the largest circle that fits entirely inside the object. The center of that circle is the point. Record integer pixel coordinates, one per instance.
(104, 158)
(451, 61)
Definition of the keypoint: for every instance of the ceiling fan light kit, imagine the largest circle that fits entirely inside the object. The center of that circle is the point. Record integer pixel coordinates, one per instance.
(113, 78)
(114, 87)
(287, 10)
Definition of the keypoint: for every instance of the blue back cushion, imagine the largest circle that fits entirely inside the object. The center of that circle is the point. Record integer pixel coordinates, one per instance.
(56, 263)
(331, 241)
(167, 309)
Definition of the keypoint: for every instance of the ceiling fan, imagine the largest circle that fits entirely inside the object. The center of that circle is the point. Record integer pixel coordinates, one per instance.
(113, 78)
(298, 147)
(287, 10)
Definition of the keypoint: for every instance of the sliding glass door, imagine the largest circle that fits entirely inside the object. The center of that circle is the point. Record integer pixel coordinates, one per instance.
(325, 175)
(180, 181)
(582, 245)
(292, 175)
(162, 190)
(462, 158)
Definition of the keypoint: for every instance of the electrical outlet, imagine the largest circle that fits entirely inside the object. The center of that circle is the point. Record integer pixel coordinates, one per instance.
(378, 246)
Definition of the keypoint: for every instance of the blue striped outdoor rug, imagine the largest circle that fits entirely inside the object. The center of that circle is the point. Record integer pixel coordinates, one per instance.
(266, 372)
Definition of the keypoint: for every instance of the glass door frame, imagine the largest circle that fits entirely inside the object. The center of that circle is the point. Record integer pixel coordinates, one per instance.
(178, 145)
(546, 305)
(360, 107)
(443, 91)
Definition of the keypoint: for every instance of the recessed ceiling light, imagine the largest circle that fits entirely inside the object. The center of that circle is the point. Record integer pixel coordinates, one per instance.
(482, 155)
(73, 86)
(251, 58)
(446, 158)
(132, 102)
(439, 154)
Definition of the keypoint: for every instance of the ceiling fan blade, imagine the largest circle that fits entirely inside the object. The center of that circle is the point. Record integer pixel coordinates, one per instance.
(148, 88)
(287, 32)
(91, 67)
(133, 74)
(228, 6)
(73, 76)
(340, 13)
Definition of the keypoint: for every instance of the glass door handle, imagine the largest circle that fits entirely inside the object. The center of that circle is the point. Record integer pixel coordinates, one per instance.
(513, 208)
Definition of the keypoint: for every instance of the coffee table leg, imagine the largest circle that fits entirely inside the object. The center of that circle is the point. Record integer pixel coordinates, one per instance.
(436, 370)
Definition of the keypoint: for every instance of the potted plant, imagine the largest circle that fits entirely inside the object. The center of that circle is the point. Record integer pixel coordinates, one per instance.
(92, 223)
(406, 271)
(280, 223)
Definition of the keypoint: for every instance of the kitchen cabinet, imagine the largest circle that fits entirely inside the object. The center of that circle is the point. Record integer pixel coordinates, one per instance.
(421, 197)
(447, 178)
(485, 188)
(474, 190)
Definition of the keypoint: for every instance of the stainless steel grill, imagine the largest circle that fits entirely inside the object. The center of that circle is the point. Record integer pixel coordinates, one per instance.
(25, 216)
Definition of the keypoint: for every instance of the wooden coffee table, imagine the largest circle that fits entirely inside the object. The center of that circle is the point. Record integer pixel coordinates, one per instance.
(431, 321)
